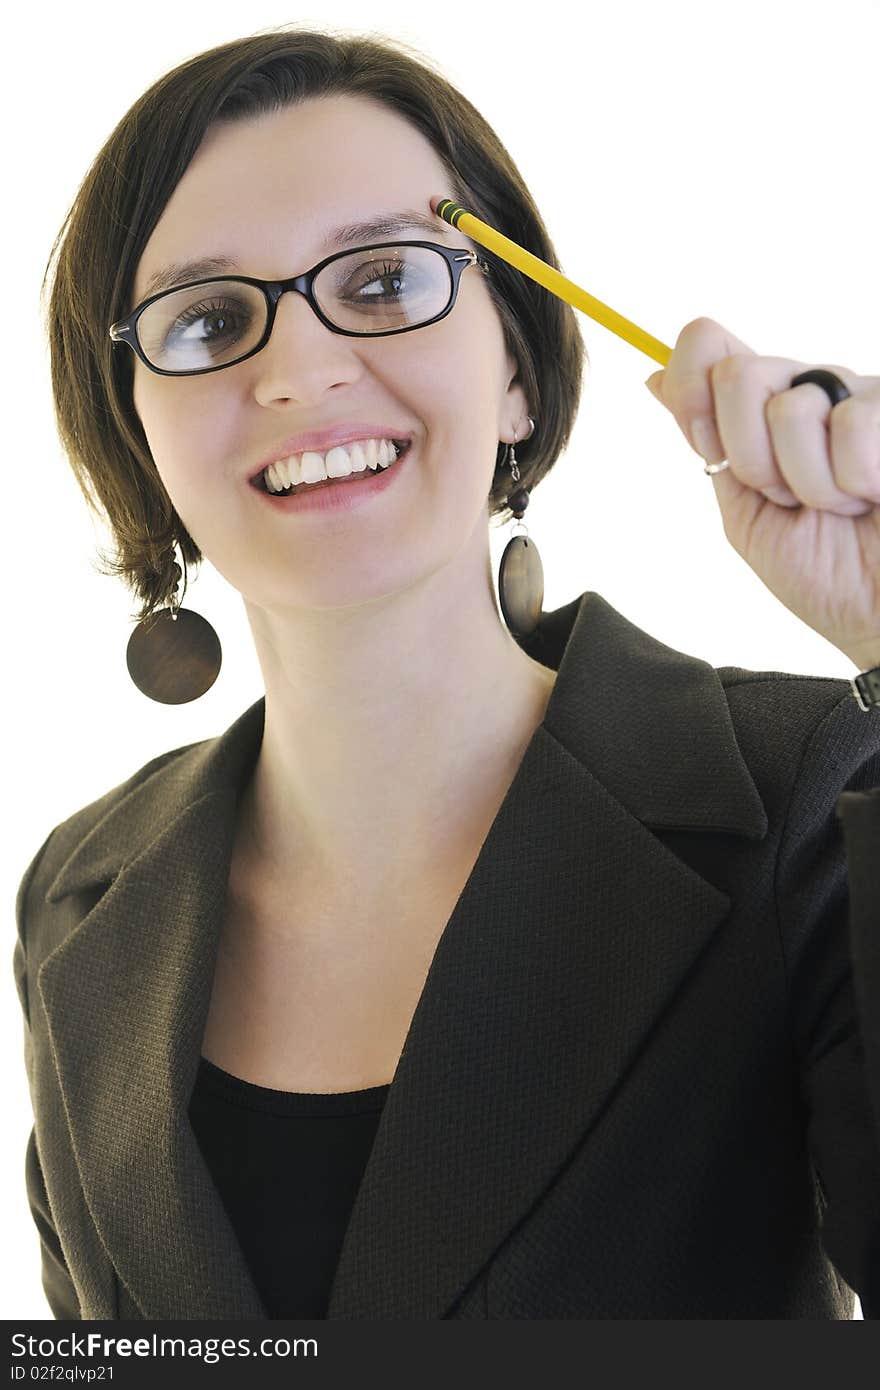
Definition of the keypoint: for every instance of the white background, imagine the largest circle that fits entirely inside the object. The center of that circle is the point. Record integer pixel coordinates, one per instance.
(688, 159)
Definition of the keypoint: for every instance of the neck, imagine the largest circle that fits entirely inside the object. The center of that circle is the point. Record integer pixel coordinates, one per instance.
(393, 728)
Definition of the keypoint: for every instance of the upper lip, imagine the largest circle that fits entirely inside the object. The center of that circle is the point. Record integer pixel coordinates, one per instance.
(322, 440)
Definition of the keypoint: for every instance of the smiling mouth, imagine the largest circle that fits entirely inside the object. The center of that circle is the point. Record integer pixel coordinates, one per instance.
(360, 476)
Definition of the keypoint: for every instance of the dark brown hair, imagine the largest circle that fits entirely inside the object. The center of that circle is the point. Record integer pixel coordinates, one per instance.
(123, 195)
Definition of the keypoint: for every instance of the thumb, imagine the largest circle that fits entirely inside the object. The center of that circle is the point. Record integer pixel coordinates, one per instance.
(653, 384)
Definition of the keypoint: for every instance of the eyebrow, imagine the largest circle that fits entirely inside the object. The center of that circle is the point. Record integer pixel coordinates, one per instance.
(350, 234)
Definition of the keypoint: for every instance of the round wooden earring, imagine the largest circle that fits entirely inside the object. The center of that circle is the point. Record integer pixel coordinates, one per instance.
(174, 656)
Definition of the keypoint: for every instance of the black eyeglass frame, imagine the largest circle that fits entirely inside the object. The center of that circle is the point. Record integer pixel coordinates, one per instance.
(456, 257)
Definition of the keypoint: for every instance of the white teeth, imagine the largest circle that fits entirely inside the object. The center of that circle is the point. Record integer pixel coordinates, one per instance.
(339, 462)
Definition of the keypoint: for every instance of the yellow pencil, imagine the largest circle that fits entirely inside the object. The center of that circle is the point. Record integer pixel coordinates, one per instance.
(551, 279)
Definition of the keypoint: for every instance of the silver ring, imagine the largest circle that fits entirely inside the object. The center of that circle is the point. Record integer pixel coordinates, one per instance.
(716, 467)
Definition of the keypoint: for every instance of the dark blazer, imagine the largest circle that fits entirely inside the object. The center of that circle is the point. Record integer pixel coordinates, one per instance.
(643, 1077)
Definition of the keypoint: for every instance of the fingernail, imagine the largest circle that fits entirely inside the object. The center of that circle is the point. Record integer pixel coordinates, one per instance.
(705, 440)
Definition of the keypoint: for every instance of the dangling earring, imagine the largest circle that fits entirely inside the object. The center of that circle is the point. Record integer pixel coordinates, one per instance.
(521, 574)
(174, 656)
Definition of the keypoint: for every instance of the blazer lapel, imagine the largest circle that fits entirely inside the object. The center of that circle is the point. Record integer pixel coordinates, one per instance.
(569, 940)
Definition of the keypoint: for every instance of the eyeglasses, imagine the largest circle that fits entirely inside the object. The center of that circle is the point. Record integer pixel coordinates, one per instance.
(390, 287)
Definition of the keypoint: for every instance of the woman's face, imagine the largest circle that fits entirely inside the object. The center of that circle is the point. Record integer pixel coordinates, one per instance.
(266, 193)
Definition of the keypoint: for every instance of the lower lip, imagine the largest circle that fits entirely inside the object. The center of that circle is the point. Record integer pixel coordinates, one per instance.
(339, 495)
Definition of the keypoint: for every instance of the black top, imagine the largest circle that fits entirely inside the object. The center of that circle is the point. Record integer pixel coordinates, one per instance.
(287, 1166)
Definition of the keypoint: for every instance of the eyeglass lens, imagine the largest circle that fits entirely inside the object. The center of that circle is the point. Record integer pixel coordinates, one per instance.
(215, 323)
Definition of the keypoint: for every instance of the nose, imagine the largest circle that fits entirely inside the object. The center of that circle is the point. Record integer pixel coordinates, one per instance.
(296, 324)
(294, 297)
(302, 355)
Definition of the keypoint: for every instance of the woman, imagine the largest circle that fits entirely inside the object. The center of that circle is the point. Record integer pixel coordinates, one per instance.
(480, 969)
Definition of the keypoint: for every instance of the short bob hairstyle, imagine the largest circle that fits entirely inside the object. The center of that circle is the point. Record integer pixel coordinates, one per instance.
(122, 197)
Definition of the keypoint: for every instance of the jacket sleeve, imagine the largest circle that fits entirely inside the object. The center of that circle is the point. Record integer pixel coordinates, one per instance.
(57, 1283)
(828, 906)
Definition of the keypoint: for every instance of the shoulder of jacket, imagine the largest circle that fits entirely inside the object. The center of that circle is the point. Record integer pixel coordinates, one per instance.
(789, 700)
(63, 838)
(804, 727)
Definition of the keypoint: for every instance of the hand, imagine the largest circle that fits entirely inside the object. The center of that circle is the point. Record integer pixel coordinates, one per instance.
(800, 501)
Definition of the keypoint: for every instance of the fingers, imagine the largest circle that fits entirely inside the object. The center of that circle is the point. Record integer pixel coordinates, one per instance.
(814, 455)
(779, 440)
(855, 442)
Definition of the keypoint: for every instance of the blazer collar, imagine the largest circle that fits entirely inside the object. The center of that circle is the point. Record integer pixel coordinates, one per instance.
(515, 1045)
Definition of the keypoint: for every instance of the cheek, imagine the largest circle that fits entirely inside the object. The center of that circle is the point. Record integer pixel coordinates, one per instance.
(185, 438)
(457, 397)
(450, 383)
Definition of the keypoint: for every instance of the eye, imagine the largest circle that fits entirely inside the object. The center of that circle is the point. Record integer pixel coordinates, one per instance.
(399, 272)
(227, 315)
